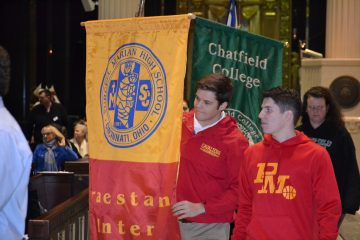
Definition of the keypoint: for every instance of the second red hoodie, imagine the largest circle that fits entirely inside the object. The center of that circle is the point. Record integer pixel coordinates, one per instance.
(287, 191)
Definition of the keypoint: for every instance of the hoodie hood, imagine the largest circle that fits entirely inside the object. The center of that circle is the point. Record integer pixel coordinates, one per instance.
(225, 126)
(300, 138)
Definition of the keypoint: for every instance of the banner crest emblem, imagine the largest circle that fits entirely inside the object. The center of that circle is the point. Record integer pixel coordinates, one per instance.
(246, 125)
(133, 95)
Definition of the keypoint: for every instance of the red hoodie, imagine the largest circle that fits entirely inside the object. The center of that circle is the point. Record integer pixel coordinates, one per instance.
(287, 191)
(209, 168)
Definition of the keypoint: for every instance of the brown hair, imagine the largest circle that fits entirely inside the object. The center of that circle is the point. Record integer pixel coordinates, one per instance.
(219, 84)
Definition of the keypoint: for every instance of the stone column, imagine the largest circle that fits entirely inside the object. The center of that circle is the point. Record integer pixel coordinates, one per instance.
(343, 29)
(109, 9)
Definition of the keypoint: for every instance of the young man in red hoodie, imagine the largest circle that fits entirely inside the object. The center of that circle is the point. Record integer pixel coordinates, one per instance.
(288, 188)
(212, 149)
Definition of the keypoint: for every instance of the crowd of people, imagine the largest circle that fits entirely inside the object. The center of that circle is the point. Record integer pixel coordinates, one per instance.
(47, 135)
(45, 149)
(295, 184)
(298, 183)
(50, 115)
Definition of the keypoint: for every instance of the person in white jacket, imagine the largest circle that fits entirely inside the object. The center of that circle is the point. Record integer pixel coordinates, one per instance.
(15, 164)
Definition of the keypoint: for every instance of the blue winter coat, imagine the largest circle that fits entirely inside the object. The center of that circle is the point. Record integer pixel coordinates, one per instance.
(61, 154)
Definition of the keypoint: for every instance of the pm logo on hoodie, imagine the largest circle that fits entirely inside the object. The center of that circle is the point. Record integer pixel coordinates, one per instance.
(270, 184)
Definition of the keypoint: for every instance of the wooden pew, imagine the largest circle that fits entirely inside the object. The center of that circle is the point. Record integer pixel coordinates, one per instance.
(66, 221)
(79, 167)
(52, 188)
(61, 194)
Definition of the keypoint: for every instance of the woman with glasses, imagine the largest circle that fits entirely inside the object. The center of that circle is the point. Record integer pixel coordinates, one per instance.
(53, 152)
(322, 121)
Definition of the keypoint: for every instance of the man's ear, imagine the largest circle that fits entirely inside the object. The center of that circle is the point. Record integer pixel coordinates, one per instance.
(223, 106)
(289, 115)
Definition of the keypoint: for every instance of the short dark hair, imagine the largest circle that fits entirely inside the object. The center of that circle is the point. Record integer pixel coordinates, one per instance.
(219, 84)
(4, 71)
(286, 99)
(333, 114)
(46, 91)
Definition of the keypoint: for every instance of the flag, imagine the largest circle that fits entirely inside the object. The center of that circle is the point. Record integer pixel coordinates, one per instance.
(232, 16)
(252, 62)
(135, 70)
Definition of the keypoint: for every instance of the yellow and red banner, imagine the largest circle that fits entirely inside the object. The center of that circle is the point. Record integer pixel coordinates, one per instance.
(135, 70)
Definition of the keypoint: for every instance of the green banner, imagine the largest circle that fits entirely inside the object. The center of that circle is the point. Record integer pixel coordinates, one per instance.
(252, 62)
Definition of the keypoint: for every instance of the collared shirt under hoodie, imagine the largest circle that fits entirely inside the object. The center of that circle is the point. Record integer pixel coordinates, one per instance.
(287, 191)
(338, 142)
(209, 168)
(198, 128)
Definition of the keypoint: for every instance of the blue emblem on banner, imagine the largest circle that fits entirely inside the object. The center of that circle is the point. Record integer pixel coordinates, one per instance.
(133, 95)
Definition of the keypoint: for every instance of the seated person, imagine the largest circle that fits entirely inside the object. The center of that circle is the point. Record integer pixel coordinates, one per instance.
(53, 152)
(80, 138)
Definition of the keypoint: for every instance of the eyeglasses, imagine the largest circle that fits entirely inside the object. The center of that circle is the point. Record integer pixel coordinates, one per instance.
(46, 133)
(315, 108)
